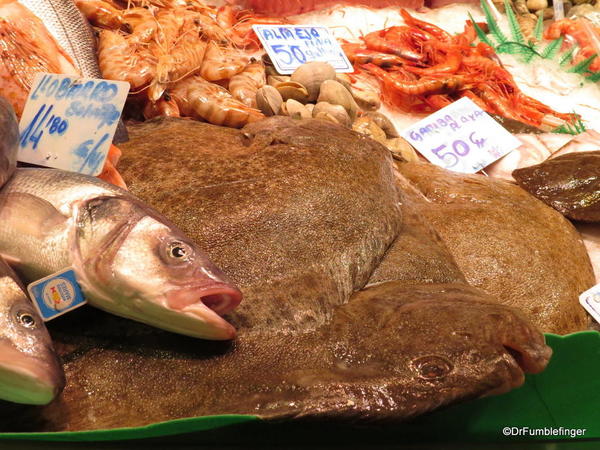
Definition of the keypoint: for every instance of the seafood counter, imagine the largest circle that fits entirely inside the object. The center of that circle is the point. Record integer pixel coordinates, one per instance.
(272, 244)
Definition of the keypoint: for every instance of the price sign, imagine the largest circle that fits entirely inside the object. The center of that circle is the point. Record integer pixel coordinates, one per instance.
(590, 300)
(290, 46)
(461, 137)
(68, 123)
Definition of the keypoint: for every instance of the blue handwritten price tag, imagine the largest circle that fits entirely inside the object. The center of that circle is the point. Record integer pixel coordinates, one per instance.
(290, 46)
(461, 137)
(68, 122)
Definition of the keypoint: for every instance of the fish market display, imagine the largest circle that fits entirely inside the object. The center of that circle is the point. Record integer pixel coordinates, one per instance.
(435, 68)
(128, 259)
(509, 244)
(568, 183)
(335, 323)
(55, 39)
(575, 29)
(180, 58)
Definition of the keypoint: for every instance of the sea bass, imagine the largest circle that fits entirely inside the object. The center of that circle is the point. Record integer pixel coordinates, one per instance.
(29, 369)
(302, 215)
(129, 260)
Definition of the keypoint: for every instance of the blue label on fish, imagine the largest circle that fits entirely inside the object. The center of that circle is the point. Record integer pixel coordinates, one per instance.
(290, 46)
(56, 294)
(68, 122)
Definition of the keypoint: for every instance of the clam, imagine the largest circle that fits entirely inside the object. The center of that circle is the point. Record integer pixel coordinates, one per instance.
(311, 75)
(384, 123)
(366, 126)
(327, 117)
(335, 93)
(338, 112)
(268, 100)
(344, 80)
(293, 90)
(402, 150)
(296, 110)
(366, 99)
(310, 107)
(274, 80)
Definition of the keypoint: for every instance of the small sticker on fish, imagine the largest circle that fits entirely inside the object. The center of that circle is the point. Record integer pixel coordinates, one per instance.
(590, 300)
(56, 294)
(68, 122)
(290, 46)
(461, 137)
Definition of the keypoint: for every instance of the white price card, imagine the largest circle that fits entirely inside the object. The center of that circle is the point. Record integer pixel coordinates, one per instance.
(590, 300)
(461, 137)
(69, 122)
(290, 46)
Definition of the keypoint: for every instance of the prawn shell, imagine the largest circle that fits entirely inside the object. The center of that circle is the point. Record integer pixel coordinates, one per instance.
(312, 75)
(293, 90)
(338, 112)
(269, 100)
(335, 93)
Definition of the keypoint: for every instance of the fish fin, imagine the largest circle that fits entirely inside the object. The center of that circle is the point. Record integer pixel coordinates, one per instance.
(41, 217)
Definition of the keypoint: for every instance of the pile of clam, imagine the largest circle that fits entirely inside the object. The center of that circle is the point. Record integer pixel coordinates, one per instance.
(316, 91)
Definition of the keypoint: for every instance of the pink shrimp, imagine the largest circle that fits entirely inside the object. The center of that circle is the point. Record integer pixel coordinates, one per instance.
(221, 62)
(199, 98)
(244, 85)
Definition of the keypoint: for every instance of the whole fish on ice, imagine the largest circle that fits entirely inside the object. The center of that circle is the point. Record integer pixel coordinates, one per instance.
(129, 260)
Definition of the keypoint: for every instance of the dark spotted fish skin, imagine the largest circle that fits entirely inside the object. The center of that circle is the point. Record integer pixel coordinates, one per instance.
(508, 243)
(299, 214)
(569, 183)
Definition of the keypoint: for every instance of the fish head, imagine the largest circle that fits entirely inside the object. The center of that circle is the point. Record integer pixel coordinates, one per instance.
(30, 372)
(439, 344)
(141, 266)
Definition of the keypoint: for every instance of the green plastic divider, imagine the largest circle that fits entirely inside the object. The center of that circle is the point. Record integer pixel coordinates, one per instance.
(566, 394)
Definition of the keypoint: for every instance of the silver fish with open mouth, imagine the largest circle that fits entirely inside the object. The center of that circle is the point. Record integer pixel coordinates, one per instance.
(129, 260)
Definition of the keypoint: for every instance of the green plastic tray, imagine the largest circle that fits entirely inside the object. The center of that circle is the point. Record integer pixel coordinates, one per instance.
(566, 394)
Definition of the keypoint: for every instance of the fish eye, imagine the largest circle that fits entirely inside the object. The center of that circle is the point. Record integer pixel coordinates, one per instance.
(432, 367)
(179, 250)
(26, 319)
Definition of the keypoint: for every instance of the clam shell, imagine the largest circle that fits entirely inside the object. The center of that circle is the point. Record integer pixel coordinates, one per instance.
(297, 110)
(366, 126)
(384, 123)
(335, 93)
(311, 75)
(366, 99)
(338, 112)
(293, 90)
(344, 80)
(274, 80)
(402, 150)
(268, 100)
(326, 116)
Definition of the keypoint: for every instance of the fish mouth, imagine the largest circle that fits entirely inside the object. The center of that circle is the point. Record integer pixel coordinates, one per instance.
(27, 379)
(207, 305)
(521, 359)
